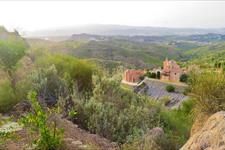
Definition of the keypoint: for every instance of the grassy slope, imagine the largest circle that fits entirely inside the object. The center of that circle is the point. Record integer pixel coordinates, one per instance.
(135, 54)
(114, 52)
(207, 56)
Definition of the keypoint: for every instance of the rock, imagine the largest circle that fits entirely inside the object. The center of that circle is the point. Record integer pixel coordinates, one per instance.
(211, 136)
(77, 143)
(157, 131)
(199, 122)
(153, 139)
(10, 127)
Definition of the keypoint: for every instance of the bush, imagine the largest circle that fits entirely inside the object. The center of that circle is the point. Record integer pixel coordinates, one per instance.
(116, 113)
(48, 84)
(151, 75)
(73, 70)
(158, 74)
(184, 78)
(208, 88)
(177, 124)
(170, 88)
(49, 136)
(7, 97)
(142, 78)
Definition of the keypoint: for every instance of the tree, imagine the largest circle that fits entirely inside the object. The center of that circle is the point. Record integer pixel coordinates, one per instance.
(151, 74)
(184, 78)
(75, 71)
(158, 75)
(12, 49)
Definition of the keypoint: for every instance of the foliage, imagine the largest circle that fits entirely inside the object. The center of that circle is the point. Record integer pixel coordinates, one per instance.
(177, 124)
(48, 84)
(158, 75)
(142, 78)
(170, 88)
(7, 97)
(116, 113)
(50, 137)
(184, 78)
(4, 136)
(142, 144)
(12, 49)
(208, 88)
(128, 52)
(151, 74)
(212, 56)
(71, 69)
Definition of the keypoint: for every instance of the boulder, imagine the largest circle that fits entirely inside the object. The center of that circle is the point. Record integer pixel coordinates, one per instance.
(211, 136)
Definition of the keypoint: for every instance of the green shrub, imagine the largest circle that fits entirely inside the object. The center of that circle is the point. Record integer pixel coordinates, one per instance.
(158, 74)
(49, 136)
(170, 88)
(165, 100)
(7, 97)
(116, 113)
(48, 84)
(12, 49)
(73, 70)
(151, 74)
(177, 124)
(184, 78)
(208, 88)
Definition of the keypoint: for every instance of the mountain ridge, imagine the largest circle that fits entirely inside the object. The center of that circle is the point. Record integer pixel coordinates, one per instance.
(122, 30)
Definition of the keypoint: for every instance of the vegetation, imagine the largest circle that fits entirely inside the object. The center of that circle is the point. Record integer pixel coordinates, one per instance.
(184, 78)
(115, 113)
(89, 91)
(177, 124)
(208, 89)
(170, 88)
(50, 137)
(129, 53)
(12, 49)
(7, 97)
(151, 75)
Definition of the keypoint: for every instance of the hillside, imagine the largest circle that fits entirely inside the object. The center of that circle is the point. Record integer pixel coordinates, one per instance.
(211, 56)
(129, 52)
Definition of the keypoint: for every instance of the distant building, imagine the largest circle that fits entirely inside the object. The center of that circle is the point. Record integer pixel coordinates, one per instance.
(171, 71)
(131, 75)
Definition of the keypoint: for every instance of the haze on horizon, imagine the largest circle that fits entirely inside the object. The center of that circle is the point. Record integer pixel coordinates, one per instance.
(38, 15)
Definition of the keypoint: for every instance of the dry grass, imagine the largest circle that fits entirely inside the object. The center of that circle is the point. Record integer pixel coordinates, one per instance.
(208, 89)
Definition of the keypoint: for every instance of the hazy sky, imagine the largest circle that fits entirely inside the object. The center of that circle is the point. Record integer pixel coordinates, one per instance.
(35, 15)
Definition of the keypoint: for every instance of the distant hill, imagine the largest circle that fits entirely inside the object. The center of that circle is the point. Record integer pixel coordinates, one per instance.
(210, 56)
(204, 38)
(136, 51)
(122, 30)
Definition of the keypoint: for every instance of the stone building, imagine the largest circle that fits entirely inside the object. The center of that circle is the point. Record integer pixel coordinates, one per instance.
(131, 75)
(171, 71)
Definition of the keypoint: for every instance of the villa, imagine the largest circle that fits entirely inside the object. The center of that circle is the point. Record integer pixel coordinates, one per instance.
(133, 76)
(171, 71)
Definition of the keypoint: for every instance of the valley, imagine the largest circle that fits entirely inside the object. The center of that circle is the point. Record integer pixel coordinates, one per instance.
(109, 91)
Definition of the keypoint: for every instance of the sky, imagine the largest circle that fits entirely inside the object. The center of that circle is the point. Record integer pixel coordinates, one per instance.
(37, 15)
